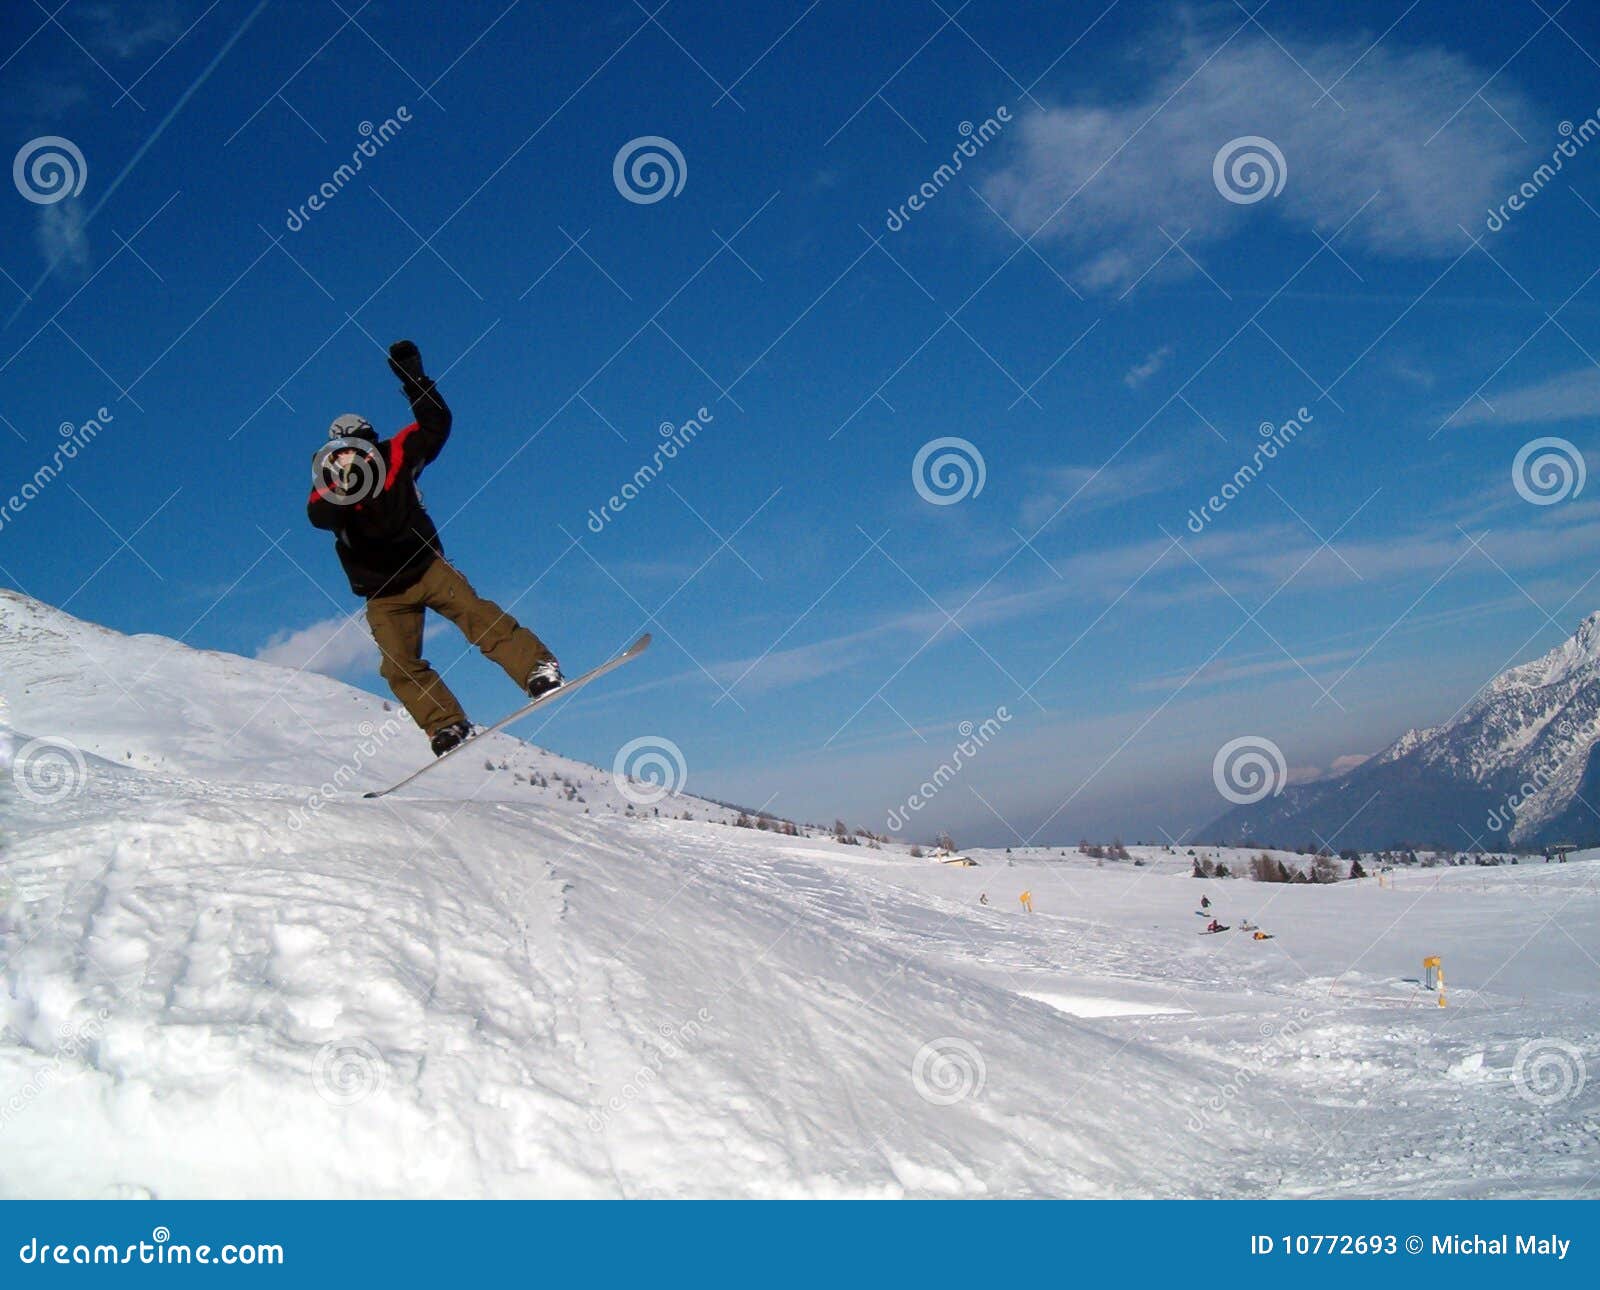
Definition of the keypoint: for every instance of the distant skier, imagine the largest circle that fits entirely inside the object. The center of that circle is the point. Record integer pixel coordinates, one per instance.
(1027, 901)
(1205, 902)
(983, 898)
(364, 491)
(1215, 926)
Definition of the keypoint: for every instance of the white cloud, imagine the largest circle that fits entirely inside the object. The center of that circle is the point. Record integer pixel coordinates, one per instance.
(1412, 373)
(1082, 489)
(1139, 373)
(1106, 180)
(334, 647)
(123, 30)
(63, 239)
(1100, 574)
(1221, 671)
(1569, 397)
(341, 647)
(1339, 766)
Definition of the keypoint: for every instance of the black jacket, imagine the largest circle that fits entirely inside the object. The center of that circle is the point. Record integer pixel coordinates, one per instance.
(387, 541)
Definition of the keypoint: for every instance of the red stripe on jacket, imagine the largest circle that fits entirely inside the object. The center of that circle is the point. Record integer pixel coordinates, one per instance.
(397, 454)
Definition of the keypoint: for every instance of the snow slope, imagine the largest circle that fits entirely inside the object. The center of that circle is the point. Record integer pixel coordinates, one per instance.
(213, 984)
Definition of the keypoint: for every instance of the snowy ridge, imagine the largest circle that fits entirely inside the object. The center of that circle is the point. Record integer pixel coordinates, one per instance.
(1546, 708)
(1511, 766)
(1411, 740)
(1578, 654)
(153, 704)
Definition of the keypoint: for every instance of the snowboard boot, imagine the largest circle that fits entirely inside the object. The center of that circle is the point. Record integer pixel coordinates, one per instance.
(544, 678)
(447, 737)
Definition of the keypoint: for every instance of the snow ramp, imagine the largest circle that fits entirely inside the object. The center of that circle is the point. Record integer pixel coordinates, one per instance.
(221, 982)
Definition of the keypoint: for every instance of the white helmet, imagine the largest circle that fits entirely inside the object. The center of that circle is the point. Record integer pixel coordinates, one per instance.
(352, 426)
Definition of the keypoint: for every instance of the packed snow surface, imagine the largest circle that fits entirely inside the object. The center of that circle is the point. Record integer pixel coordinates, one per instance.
(218, 979)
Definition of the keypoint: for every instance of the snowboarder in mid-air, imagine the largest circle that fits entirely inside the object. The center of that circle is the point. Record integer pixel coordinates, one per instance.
(364, 491)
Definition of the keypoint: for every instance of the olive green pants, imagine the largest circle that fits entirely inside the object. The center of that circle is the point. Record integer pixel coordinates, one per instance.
(396, 621)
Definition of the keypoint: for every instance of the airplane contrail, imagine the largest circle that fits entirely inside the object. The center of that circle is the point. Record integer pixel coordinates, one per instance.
(145, 147)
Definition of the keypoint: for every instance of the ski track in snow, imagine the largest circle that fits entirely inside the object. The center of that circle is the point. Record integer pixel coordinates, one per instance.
(483, 990)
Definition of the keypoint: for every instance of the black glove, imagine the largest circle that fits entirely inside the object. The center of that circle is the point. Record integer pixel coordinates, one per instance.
(405, 361)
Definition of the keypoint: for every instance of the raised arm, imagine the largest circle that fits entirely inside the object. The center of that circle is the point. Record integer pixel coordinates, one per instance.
(427, 404)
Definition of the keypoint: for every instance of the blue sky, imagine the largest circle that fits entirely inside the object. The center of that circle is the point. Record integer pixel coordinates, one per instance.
(1095, 303)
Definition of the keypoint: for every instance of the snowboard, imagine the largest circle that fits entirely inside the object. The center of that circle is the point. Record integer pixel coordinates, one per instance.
(1211, 933)
(578, 682)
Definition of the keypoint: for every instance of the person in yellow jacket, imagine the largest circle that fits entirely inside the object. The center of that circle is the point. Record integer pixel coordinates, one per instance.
(1027, 901)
